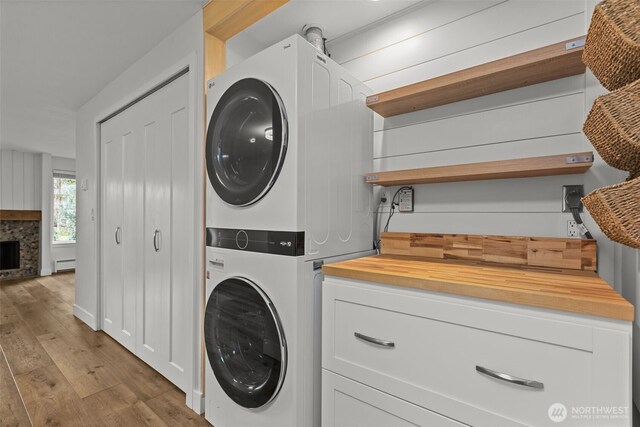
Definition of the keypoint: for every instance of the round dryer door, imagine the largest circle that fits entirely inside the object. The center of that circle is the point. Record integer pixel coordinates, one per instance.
(246, 142)
(245, 342)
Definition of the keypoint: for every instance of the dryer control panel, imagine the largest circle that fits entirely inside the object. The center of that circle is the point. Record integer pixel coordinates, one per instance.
(289, 243)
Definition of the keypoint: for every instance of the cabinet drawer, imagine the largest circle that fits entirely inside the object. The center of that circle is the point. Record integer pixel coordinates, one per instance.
(437, 365)
(346, 403)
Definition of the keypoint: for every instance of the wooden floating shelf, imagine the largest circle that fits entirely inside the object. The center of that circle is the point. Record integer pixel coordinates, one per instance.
(536, 66)
(563, 164)
(20, 215)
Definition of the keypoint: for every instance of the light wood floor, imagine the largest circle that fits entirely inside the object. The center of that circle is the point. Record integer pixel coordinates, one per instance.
(56, 371)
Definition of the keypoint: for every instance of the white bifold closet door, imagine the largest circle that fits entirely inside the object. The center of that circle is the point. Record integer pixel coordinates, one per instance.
(148, 229)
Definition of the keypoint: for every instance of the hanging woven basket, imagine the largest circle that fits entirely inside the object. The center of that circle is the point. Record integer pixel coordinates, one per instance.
(612, 48)
(613, 127)
(616, 209)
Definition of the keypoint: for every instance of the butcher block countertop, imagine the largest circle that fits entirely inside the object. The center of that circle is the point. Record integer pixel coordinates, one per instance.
(576, 291)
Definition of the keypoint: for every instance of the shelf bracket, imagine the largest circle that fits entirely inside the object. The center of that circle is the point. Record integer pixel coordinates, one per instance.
(575, 44)
(579, 158)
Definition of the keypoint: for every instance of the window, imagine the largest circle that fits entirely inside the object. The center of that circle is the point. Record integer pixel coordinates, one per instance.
(64, 208)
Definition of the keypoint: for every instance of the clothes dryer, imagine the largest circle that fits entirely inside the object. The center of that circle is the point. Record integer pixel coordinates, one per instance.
(289, 141)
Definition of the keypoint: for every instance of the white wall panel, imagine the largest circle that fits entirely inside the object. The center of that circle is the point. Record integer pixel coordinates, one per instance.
(494, 223)
(6, 170)
(491, 24)
(419, 21)
(18, 179)
(533, 38)
(29, 186)
(21, 180)
(37, 178)
(542, 91)
(560, 116)
(46, 202)
(485, 153)
(504, 195)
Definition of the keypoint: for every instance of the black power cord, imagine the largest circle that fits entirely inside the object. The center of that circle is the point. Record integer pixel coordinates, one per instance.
(393, 206)
(376, 234)
(572, 199)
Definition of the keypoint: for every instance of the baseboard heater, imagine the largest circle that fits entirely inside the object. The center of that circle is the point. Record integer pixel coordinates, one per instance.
(64, 264)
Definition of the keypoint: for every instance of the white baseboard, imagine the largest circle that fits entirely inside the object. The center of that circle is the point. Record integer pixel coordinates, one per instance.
(46, 272)
(85, 316)
(197, 402)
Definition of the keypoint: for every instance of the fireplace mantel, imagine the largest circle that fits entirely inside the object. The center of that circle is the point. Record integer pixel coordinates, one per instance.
(17, 215)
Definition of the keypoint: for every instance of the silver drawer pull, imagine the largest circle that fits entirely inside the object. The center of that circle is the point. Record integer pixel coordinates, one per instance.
(510, 378)
(375, 341)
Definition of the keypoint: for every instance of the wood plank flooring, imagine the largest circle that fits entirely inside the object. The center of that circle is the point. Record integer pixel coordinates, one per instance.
(56, 371)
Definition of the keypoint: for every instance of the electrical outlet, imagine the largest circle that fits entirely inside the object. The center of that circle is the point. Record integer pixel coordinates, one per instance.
(568, 189)
(572, 229)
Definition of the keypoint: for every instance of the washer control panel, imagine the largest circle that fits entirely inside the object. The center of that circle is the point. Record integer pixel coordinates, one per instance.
(289, 243)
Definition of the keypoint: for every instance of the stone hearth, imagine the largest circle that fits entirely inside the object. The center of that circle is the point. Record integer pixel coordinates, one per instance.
(27, 232)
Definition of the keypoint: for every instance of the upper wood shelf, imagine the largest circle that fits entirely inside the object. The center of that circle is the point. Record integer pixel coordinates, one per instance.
(536, 66)
(563, 164)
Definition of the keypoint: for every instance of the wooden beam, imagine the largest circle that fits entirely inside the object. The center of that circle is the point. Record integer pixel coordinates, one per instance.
(215, 57)
(17, 215)
(224, 19)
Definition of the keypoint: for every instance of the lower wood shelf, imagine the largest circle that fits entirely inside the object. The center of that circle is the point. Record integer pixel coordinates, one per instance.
(562, 164)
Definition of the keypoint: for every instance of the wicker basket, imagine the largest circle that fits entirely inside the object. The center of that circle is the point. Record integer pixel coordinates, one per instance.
(613, 127)
(616, 209)
(612, 49)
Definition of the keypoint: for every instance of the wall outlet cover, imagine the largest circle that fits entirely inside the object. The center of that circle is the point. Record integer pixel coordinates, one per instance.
(572, 229)
(405, 200)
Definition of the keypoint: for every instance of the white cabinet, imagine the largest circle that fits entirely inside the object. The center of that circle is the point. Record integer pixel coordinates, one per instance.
(348, 403)
(477, 362)
(147, 229)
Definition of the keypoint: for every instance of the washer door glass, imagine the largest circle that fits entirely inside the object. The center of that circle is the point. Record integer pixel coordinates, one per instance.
(246, 142)
(245, 343)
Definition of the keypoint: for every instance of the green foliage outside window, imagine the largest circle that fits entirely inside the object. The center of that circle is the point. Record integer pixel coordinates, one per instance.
(64, 210)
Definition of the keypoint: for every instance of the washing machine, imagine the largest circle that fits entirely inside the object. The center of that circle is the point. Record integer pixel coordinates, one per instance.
(262, 337)
(289, 141)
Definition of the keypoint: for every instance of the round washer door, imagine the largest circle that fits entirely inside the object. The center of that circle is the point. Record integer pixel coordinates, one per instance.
(245, 342)
(246, 142)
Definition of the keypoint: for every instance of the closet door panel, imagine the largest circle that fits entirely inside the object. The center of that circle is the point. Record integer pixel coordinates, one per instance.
(111, 141)
(152, 295)
(182, 232)
(132, 223)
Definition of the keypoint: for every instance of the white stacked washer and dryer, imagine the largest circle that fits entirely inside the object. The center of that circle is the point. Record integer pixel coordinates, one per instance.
(289, 141)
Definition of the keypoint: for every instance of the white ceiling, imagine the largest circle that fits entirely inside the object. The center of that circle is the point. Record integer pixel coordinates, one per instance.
(56, 55)
(337, 18)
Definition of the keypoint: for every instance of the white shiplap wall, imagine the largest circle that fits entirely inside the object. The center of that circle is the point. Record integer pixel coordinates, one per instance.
(440, 37)
(20, 180)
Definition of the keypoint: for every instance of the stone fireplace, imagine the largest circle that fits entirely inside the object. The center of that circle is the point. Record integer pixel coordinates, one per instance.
(19, 243)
